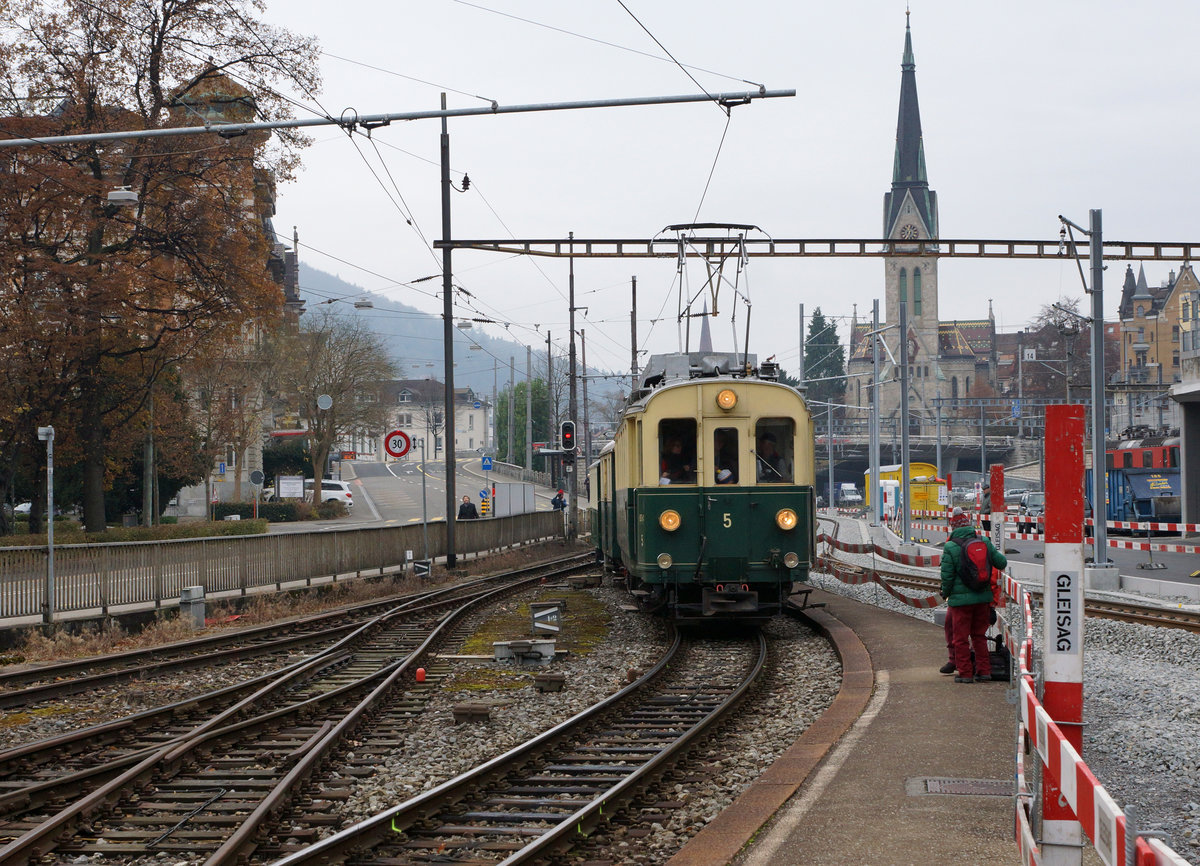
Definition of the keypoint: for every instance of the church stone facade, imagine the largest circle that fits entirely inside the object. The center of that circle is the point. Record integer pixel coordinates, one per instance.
(947, 359)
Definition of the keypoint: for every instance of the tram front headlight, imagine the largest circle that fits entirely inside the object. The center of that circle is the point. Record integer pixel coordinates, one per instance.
(791, 560)
(727, 399)
(786, 519)
(665, 561)
(669, 520)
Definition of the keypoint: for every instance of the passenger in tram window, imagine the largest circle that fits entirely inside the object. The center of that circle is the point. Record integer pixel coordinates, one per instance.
(773, 450)
(725, 460)
(677, 451)
(675, 468)
(770, 461)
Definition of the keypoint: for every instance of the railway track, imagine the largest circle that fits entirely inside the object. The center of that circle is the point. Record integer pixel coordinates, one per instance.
(541, 797)
(188, 786)
(24, 688)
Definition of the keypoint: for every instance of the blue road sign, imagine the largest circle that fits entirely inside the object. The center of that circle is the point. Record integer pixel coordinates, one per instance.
(1016, 409)
(478, 405)
(487, 464)
(484, 493)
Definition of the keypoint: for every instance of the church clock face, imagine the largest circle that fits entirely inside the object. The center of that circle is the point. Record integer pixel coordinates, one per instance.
(908, 232)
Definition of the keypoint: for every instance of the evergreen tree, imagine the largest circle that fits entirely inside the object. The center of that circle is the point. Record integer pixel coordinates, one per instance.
(541, 420)
(824, 361)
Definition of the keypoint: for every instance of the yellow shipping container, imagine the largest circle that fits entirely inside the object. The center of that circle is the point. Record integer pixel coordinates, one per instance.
(923, 485)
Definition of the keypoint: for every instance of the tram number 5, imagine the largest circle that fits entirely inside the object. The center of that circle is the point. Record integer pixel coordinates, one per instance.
(726, 520)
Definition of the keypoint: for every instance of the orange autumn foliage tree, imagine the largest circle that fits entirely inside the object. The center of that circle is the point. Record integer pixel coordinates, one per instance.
(101, 299)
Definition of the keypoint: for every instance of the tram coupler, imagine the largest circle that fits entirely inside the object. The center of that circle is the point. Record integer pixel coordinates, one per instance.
(728, 598)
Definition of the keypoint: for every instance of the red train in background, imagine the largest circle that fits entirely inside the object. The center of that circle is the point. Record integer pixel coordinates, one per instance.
(1147, 451)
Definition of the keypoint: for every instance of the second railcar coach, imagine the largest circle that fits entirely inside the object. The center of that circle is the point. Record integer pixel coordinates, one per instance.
(705, 496)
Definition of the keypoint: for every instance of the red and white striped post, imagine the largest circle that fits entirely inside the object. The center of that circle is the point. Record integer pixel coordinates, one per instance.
(1062, 642)
(949, 509)
(996, 503)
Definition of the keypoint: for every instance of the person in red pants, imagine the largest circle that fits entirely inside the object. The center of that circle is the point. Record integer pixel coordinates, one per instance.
(948, 627)
(969, 610)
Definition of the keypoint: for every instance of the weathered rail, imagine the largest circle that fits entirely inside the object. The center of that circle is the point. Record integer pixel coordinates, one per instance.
(259, 747)
(52, 681)
(538, 798)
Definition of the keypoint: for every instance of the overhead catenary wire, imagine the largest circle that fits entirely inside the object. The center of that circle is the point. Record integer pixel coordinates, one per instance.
(598, 41)
(400, 205)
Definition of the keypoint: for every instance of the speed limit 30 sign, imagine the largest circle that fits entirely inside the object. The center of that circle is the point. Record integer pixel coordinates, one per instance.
(397, 443)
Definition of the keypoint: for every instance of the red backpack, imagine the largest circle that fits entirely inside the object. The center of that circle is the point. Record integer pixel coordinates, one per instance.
(974, 569)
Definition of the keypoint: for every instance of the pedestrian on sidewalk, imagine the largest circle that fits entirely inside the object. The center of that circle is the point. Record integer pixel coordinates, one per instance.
(969, 609)
(467, 510)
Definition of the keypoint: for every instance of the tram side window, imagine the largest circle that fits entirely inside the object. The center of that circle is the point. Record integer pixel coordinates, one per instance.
(773, 450)
(1127, 460)
(1172, 457)
(725, 455)
(677, 451)
(1147, 459)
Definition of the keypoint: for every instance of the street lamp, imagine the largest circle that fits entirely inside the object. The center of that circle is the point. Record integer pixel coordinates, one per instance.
(46, 434)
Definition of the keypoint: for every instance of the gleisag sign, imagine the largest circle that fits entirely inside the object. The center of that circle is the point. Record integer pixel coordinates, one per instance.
(1065, 612)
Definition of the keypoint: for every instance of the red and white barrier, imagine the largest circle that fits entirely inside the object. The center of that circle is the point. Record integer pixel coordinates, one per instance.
(1156, 546)
(1139, 526)
(909, 558)
(1119, 543)
(903, 558)
(859, 577)
(1099, 816)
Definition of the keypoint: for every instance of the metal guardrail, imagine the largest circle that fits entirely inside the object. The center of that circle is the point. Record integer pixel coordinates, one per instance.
(520, 473)
(104, 577)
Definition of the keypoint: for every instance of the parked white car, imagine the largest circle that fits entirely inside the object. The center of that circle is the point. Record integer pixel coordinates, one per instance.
(331, 491)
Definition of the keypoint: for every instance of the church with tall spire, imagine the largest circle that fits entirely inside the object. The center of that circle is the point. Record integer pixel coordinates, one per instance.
(947, 359)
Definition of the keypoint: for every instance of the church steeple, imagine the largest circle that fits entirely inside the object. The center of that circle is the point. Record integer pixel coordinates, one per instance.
(908, 169)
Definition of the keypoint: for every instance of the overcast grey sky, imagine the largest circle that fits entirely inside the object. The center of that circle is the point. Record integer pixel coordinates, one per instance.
(1029, 109)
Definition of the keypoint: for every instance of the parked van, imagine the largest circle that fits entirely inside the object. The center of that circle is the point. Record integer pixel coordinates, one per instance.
(848, 494)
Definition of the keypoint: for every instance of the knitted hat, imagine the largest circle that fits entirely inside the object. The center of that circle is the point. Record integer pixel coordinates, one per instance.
(958, 517)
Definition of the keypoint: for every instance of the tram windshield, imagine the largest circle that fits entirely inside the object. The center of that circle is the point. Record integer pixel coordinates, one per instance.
(677, 451)
(773, 450)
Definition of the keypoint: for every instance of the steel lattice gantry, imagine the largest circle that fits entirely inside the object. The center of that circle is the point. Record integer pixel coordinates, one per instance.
(817, 248)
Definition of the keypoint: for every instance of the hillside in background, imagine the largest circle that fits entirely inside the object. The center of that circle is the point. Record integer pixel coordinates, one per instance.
(414, 338)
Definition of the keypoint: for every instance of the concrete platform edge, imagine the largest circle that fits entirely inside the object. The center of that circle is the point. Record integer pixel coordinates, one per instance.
(725, 836)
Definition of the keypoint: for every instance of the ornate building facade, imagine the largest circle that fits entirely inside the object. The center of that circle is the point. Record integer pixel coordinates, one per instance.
(947, 359)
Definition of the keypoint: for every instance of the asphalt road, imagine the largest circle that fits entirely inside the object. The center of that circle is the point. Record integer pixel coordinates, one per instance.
(389, 494)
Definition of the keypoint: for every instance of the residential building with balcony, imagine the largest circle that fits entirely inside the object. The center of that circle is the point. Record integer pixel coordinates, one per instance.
(1186, 395)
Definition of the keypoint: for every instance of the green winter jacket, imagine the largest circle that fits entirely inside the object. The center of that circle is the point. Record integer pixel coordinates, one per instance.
(953, 589)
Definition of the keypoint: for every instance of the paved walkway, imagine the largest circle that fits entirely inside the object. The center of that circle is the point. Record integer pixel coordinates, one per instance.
(860, 786)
